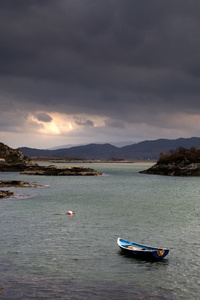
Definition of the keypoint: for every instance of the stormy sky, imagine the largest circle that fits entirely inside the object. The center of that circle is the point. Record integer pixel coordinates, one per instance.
(95, 71)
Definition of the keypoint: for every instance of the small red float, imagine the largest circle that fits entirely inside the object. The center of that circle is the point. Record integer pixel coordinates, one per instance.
(70, 213)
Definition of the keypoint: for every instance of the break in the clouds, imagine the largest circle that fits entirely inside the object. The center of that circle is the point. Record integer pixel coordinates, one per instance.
(81, 71)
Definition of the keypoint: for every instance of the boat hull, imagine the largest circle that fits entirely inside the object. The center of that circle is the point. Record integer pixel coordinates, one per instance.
(141, 251)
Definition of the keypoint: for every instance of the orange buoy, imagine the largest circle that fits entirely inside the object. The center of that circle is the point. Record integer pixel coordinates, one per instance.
(70, 213)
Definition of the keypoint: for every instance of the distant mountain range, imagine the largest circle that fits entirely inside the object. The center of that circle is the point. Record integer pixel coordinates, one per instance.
(117, 144)
(141, 151)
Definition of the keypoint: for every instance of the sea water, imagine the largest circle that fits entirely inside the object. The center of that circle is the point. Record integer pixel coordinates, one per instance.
(45, 254)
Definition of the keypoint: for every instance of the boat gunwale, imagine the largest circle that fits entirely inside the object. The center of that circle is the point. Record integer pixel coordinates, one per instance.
(143, 248)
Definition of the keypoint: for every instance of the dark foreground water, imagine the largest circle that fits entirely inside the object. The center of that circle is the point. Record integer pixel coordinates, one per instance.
(44, 255)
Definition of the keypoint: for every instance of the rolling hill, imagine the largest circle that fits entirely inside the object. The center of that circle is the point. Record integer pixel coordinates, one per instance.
(140, 151)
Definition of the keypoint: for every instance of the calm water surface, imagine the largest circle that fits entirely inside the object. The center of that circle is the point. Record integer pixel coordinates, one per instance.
(44, 255)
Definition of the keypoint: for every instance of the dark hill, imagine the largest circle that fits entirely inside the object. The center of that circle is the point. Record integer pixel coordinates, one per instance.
(141, 151)
(90, 151)
(151, 149)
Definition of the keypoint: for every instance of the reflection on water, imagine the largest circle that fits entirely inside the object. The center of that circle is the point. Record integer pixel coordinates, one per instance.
(72, 289)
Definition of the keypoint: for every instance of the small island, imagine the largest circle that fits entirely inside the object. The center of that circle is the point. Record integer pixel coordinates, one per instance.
(180, 162)
(53, 170)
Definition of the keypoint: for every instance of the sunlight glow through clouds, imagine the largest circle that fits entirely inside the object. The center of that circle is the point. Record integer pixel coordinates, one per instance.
(50, 128)
(55, 126)
(61, 123)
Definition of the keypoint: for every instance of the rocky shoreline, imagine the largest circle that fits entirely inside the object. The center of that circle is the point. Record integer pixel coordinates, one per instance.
(51, 170)
(179, 162)
(174, 169)
(13, 160)
(56, 171)
(15, 184)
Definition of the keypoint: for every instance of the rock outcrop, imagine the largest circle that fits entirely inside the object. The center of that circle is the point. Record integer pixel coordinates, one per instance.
(17, 183)
(13, 160)
(172, 169)
(182, 162)
(6, 194)
(65, 171)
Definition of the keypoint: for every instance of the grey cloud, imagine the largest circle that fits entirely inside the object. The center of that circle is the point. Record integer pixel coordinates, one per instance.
(83, 122)
(114, 123)
(12, 120)
(127, 61)
(44, 117)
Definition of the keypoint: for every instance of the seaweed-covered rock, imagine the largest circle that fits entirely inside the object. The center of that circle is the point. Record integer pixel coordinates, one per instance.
(17, 183)
(6, 194)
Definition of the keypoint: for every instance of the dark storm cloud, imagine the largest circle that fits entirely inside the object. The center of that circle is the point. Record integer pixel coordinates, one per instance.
(44, 117)
(123, 59)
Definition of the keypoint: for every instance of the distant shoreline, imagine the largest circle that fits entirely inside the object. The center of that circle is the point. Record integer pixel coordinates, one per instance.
(63, 161)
